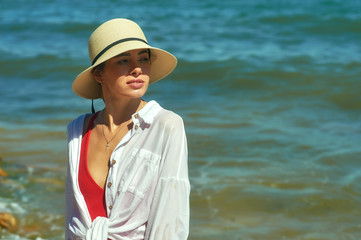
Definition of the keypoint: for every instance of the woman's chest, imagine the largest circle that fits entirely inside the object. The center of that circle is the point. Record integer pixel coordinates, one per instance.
(98, 153)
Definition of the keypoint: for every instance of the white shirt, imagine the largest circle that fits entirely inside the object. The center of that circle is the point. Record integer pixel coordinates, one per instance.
(147, 189)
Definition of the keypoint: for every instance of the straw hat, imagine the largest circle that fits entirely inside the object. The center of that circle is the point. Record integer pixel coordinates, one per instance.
(111, 39)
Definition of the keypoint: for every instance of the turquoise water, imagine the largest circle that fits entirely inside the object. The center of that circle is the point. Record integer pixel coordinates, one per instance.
(269, 92)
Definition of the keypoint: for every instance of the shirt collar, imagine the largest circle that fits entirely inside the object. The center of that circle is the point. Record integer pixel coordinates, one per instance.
(148, 112)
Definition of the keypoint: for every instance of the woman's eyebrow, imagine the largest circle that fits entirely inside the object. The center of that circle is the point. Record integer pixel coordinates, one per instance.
(122, 55)
(143, 51)
(128, 54)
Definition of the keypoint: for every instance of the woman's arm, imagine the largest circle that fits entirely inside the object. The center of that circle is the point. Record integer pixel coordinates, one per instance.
(169, 215)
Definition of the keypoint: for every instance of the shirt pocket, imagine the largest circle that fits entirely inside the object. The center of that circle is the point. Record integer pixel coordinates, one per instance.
(140, 172)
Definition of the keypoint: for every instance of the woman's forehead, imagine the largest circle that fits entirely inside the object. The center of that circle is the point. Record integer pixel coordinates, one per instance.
(135, 51)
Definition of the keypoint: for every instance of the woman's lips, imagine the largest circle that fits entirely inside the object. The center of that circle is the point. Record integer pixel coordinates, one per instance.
(136, 83)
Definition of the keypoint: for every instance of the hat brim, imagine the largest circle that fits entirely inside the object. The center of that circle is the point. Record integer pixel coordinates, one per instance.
(162, 64)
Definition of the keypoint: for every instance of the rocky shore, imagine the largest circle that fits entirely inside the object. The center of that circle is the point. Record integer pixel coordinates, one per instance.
(7, 220)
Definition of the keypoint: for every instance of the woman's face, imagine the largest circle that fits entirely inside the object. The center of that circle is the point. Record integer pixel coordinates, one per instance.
(125, 75)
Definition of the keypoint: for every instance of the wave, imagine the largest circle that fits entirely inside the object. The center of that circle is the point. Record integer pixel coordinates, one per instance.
(295, 80)
(39, 66)
(314, 23)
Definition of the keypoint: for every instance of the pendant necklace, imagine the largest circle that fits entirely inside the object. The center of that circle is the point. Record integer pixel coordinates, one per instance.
(108, 142)
(142, 104)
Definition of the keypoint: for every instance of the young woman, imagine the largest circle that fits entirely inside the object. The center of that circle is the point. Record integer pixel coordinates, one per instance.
(127, 174)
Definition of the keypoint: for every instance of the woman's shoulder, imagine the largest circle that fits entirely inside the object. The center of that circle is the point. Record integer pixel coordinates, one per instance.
(77, 120)
(166, 115)
(78, 123)
(168, 118)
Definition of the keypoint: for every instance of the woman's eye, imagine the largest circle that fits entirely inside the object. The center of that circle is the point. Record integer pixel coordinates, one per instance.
(123, 61)
(145, 59)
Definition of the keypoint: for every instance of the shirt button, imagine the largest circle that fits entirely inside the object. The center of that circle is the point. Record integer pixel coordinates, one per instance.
(110, 207)
(136, 116)
(109, 184)
(136, 127)
(113, 162)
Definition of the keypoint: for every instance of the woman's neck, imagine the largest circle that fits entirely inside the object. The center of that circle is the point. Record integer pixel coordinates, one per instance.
(117, 113)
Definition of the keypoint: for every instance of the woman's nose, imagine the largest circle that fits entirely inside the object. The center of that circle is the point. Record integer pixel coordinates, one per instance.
(136, 70)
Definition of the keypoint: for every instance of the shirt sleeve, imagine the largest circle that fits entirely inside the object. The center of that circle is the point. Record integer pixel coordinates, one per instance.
(74, 131)
(169, 215)
(68, 203)
(69, 194)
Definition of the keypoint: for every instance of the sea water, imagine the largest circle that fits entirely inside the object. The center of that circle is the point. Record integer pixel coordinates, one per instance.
(269, 92)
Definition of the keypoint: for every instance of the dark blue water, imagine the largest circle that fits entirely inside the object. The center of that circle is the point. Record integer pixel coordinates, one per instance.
(269, 92)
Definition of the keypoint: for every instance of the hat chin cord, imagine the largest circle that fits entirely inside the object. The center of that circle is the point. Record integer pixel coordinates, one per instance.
(93, 110)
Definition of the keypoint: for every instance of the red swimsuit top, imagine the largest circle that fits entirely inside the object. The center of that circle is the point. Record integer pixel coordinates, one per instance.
(94, 195)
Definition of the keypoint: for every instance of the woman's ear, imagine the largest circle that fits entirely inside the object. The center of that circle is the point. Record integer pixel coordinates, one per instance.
(97, 74)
